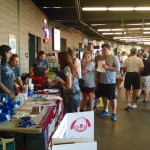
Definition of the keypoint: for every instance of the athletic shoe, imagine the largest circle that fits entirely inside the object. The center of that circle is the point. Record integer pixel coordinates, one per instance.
(95, 108)
(133, 106)
(127, 108)
(145, 101)
(114, 117)
(104, 113)
(137, 98)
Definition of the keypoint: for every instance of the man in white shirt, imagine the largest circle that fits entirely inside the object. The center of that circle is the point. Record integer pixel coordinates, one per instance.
(133, 65)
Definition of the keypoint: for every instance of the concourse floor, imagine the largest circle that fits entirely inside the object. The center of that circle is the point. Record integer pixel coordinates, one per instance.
(130, 132)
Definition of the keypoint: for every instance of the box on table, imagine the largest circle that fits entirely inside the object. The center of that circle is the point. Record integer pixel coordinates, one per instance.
(76, 131)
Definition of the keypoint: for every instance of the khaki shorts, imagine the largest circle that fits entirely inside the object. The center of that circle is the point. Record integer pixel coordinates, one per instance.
(145, 82)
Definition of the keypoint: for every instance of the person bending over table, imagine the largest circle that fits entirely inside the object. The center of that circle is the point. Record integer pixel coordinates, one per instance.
(14, 62)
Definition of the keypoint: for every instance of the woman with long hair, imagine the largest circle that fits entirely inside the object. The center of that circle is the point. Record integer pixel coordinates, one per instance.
(7, 74)
(71, 87)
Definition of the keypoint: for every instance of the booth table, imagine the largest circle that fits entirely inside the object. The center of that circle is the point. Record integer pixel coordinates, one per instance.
(47, 122)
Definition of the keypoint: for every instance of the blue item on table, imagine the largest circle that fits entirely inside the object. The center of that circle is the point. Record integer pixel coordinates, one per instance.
(25, 122)
(7, 109)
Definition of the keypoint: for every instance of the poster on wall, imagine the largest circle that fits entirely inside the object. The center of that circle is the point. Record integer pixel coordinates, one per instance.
(12, 43)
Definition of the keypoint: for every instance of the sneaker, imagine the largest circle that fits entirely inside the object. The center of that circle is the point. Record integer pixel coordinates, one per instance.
(104, 113)
(127, 108)
(137, 98)
(95, 108)
(114, 117)
(145, 101)
(133, 106)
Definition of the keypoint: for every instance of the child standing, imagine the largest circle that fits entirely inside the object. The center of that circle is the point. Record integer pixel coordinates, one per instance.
(88, 69)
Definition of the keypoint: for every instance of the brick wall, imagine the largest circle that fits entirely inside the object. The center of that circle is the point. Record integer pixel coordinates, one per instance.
(29, 19)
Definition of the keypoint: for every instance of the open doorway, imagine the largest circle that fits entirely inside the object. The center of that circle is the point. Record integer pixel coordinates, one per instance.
(63, 46)
(34, 46)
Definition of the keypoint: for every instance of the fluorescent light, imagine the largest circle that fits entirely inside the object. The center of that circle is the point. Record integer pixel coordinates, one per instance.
(148, 23)
(147, 43)
(117, 38)
(97, 24)
(133, 29)
(120, 8)
(114, 8)
(142, 8)
(116, 29)
(112, 33)
(109, 29)
(103, 29)
(146, 32)
(118, 33)
(146, 28)
(124, 37)
(94, 8)
(109, 33)
(134, 24)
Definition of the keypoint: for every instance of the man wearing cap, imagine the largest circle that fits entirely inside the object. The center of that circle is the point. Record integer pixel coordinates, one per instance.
(133, 65)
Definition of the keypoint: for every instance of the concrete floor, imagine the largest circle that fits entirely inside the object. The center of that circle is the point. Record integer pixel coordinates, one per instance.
(130, 132)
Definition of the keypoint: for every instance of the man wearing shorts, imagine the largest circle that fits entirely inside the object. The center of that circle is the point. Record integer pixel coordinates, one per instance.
(133, 65)
(106, 87)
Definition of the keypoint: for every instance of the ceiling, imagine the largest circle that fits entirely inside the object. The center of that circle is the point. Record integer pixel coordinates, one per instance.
(129, 26)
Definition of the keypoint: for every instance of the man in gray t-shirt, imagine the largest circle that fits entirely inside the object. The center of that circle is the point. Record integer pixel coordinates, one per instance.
(106, 86)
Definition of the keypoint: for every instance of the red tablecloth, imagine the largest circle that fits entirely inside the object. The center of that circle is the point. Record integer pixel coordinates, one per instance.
(51, 120)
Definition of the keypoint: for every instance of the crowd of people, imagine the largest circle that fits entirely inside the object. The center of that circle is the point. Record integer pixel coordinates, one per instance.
(98, 77)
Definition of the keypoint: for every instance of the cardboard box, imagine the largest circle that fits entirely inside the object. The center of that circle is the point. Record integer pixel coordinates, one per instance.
(76, 131)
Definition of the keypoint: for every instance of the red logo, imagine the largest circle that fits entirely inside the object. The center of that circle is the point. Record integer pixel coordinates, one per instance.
(80, 124)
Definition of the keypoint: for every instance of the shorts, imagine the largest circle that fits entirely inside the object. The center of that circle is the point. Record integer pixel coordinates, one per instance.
(106, 90)
(132, 79)
(145, 83)
(88, 90)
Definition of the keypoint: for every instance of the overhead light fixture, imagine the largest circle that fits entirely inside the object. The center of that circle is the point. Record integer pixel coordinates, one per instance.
(147, 43)
(118, 33)
(124, 37)
(97, 24)
(146, 28)
(116, 29)
(142, 8)
(148, 23)
(146, 32)
(110, 29)
(52, 7)
(114, 8)
(121, 8)
(109, 33)
(94, 8)
(135, 24)
(112, 33)
(103, 29)
(133, 29)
